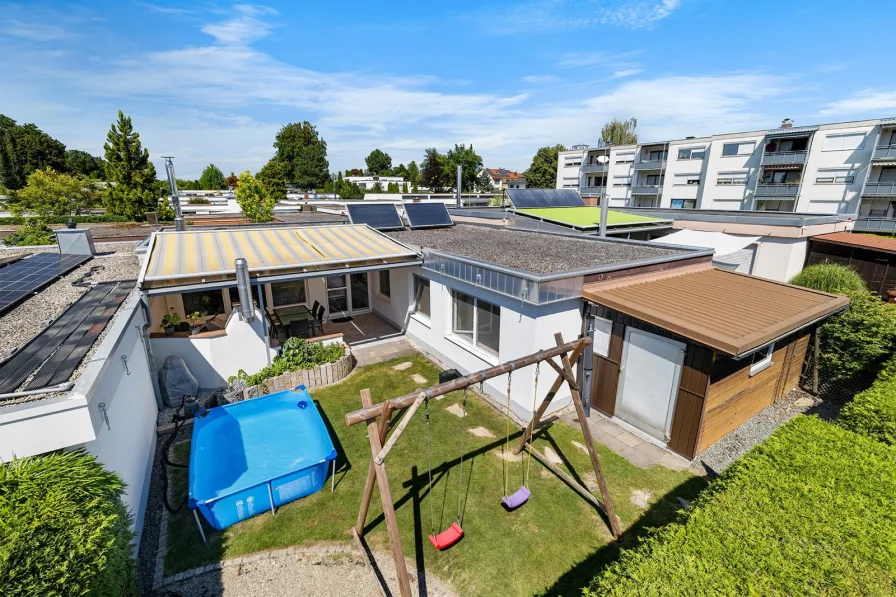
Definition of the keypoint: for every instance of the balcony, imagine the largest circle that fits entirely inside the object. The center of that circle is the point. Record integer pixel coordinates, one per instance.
(875, 225)
(777, 189)
(646, 189)
(884, 152)
(784, 157)
(650, 165)
(592, 190)
(592, 168)
(880, 189)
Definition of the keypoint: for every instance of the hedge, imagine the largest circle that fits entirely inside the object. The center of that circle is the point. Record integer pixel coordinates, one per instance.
(807, 512)
(99, 219)
(873, 412)
(63, 528)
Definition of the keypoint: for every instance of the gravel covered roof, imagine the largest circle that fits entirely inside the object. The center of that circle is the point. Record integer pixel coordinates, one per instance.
(530, 251)
(311, 217)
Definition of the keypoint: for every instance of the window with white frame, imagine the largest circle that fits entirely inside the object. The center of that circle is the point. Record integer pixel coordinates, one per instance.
(421, 296)
(732, 178)
(762, 359)
(288, 293)
(835, 176)
(686, 179)
(622, 181)
(625, 157)
(684, 204)
(844, 142)
(476, 321)
(384, 284)
(571, 163)
(738, 148)
(691, 153)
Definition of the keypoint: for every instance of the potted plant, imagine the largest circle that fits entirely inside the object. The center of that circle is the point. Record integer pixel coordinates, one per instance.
(168, 322)
(196, 321)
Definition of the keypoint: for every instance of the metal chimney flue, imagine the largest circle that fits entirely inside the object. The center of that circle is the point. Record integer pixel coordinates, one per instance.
(460, 170)
(244, 289)
(179, 223)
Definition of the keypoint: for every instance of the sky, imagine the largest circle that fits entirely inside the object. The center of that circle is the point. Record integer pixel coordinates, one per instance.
(214, 82)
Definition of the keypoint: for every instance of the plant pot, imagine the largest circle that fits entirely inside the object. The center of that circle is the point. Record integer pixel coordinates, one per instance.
(169, 331)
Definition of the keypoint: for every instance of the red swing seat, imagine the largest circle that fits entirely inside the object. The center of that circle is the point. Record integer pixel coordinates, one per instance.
(448, 537)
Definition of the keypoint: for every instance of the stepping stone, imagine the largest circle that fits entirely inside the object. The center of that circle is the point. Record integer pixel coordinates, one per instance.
(509, 455)
(403, 366)
(419, 378)
(481, 432)
(580, 446)
(552, 456)
(590, 481)
(641, 498)
(456, 410)
(804, 402)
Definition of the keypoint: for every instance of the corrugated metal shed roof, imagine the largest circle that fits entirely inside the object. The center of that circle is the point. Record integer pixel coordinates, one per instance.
(207, 255)
(865, 241)
(730, 312)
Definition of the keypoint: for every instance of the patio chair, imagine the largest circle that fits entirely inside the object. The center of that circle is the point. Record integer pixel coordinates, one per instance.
(300, 328)
(317, 324)
(314, 307)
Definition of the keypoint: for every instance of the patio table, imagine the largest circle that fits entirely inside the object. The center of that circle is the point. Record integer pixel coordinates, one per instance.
(293, 313)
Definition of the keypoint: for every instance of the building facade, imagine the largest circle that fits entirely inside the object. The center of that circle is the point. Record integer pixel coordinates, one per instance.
(502, 178)
(845, 168)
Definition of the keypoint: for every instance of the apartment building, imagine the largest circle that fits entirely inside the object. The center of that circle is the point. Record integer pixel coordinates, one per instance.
(846, 168)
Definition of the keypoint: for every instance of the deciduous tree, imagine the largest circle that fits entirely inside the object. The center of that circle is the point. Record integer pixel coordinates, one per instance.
(301, 156)
(254, 200)
(620, 132)
(81, 163)
(433, 174)
(130, 174)
(232, 181)
(50, 193)
(212, 178)
(379, 163)
(413, 176)
(542, 173)
(25, 149)
(471, 163)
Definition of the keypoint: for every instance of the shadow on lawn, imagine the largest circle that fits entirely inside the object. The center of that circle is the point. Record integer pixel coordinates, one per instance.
(343, 464)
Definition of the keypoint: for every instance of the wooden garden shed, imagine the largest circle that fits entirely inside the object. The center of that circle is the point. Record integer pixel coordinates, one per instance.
(689, 354)
(873, 257)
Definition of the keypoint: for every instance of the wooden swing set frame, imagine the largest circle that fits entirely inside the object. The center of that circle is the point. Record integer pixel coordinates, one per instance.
(401, 410)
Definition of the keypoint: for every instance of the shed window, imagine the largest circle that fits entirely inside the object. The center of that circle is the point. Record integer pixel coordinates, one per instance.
(762, 359)
(476, 321)
(288, 293)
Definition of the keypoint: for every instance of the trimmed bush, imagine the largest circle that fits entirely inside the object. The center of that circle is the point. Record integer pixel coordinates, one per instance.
(297, 354)
(807, 512)
(35, 232)
(830, 277)
(99, 219)
(873, 412)
(63, 528)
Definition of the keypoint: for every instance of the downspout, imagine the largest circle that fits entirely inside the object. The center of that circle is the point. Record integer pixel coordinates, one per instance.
(587, 365)
(264, 322)
(147, 346)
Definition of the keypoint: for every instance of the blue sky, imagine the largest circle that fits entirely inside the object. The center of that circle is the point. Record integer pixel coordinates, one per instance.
(214, 82)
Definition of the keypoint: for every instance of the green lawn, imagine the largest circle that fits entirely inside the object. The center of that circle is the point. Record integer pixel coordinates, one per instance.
(552, 545)
(585, 217)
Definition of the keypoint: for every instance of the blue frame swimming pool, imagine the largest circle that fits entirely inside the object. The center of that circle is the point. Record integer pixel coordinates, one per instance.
(253, 456)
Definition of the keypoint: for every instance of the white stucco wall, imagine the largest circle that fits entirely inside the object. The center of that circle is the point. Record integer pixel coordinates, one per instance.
(525, 329)
(779, 258)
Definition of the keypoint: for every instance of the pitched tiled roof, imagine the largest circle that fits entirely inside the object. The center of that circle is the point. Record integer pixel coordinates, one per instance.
(503, 173)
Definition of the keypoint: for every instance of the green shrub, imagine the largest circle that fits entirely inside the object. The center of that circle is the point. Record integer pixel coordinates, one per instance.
(63, 528)
(807, 512)
(199, 201)
(873, 412)
(858, 340)
(830, 277)
(98, 219)
(34, 232)
(296, 354)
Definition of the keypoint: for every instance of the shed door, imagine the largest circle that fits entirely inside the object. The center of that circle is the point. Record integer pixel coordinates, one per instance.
(648, 382)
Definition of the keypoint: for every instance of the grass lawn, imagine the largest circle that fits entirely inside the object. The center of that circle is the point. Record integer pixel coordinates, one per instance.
(585, 217)
(552, 545)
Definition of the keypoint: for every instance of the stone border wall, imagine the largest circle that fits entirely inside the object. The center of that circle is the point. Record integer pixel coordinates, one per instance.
(316, 377)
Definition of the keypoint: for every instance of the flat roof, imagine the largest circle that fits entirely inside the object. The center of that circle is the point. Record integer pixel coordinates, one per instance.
(872, 242)
(204, 256)
(587, 217)
(764, 218)
(730, 312)
(537, 252)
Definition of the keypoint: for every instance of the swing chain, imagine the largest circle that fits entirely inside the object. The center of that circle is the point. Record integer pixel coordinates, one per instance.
(463, 432)
(504, 451)
(532, 423)
(432, 518)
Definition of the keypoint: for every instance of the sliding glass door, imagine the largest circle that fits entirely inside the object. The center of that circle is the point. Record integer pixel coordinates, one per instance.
(347, 294)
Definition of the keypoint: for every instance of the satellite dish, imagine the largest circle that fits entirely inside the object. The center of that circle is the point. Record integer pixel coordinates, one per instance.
(602, 159)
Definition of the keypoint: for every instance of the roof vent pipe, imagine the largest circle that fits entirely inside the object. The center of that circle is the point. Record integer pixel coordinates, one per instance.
(244, 288)
(460, 170)
(179, 223)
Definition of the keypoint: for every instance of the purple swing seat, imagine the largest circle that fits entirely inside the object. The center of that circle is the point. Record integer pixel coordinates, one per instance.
(520, 497)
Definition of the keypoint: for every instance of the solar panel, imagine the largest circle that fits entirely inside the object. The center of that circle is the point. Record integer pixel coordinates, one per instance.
(427, 215)
(534, 198)
(380, 216)
(21, 279)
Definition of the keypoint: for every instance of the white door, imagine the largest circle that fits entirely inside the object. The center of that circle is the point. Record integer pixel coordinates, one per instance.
(648, 382)
(347, 294)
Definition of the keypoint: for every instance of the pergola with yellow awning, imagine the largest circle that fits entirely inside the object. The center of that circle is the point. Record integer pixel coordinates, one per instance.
(186, 261)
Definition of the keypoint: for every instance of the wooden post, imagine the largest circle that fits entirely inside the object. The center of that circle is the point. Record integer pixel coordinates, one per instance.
(589, 443)
(583, 491)
(371, 474)
(382, 481)
(530, 428)
(815, 357)
(381, 456)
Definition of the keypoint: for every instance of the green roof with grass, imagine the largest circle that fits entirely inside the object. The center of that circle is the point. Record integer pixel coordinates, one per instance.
(586, 217)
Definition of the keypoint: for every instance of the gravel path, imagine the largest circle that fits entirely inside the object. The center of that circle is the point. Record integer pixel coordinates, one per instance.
(331, 571)
(737, 443)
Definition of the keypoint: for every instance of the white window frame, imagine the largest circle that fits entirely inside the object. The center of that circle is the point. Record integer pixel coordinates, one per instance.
(486, 351)
(740, 145)
(838, 142)
(686, 180)
(379, 284)
(732, 178)
(625, 157)
(691, 151)
(764, 362)
(425, 317)
(626, 181)
(835, 176)
(683, 202)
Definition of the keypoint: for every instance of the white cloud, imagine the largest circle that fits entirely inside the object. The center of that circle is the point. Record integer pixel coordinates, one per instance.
(865, 101)
(626, 72)
(566, 15)
(244, 28)
(540, 79)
